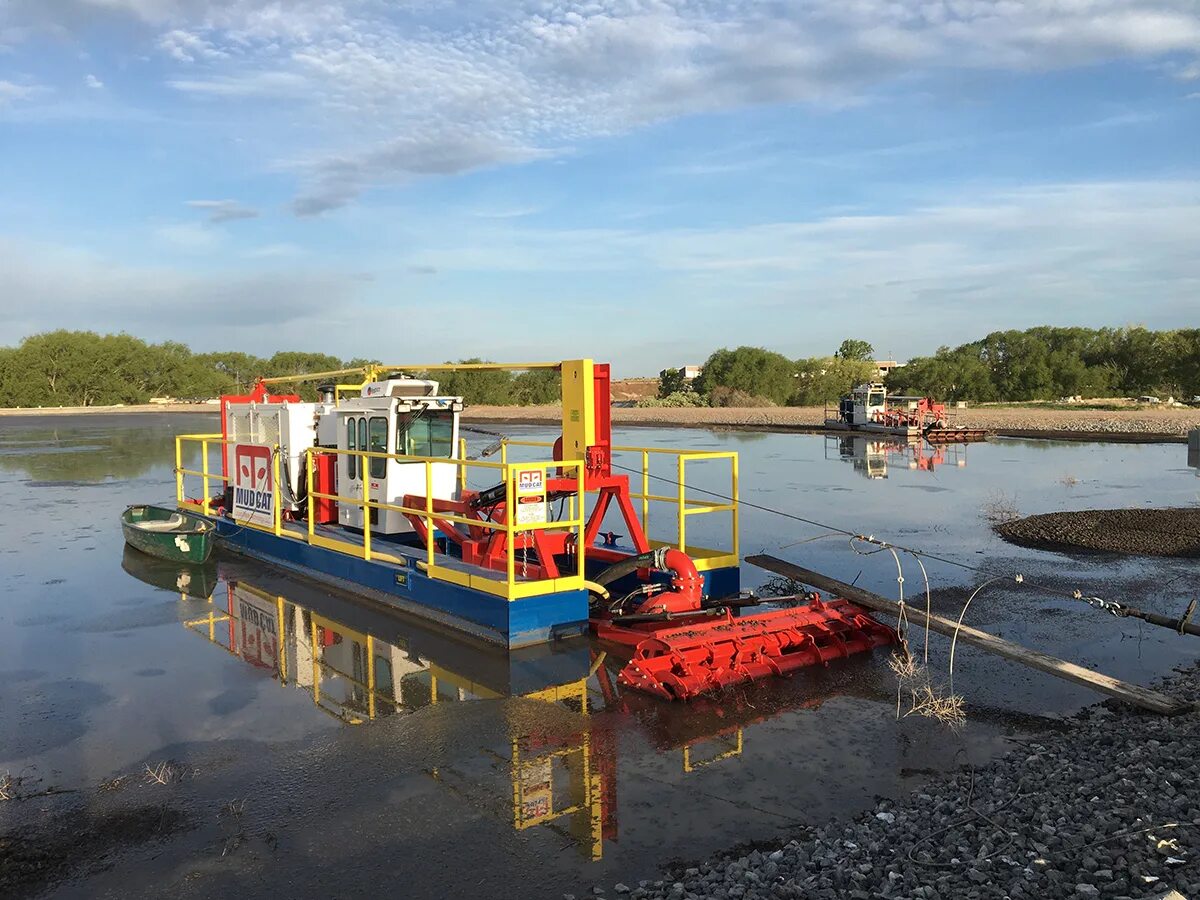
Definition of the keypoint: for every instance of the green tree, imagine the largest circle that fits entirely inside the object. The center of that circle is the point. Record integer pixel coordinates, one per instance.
(492, 387)
(762, 373)
(826, 378)
(855, 349)
(671, 381)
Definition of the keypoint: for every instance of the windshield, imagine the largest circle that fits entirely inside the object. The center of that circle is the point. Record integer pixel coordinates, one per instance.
(430, 434)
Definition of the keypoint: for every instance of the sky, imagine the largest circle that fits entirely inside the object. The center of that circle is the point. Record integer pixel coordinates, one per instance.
(639, 181)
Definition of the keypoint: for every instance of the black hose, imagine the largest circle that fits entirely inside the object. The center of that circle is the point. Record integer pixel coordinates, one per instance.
(625, 566)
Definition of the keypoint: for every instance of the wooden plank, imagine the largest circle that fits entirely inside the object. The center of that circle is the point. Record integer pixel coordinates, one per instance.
(1131, 693)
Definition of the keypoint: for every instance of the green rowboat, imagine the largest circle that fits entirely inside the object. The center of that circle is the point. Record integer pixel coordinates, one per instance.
(168, 533)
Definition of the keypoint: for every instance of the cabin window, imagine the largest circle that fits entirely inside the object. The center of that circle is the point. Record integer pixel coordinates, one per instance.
(431, 434)
(875, 399)
(378, 445)
(351, 444)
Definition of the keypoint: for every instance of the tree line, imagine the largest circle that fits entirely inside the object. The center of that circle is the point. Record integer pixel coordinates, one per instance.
(752, 376)
(83, 368)
(1048, 363)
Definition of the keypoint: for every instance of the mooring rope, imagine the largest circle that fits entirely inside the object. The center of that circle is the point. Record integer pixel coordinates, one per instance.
(1111, 606)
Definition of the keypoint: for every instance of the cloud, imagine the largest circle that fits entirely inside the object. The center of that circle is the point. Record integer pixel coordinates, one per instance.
(188, 237)
(60, 286)
(379, 93)
(93, 82)
(258, 84)
(970, 262)
(10, 92)
(273, 251)
(336, 180)
(948, 268)
(224, 210)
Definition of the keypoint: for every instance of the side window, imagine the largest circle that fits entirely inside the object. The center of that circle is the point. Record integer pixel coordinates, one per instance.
(441, 436)
(378, 445)
(351, 444)
(362, 445)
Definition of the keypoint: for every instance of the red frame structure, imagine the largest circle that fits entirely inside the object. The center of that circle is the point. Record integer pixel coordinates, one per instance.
(488, 547)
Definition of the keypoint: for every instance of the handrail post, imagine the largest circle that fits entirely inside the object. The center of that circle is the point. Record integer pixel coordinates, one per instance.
(509, 534)
(579, 541)
(204, 477)
(366, 505)
(734, 513)
(646, 493)
(309, 456)
(682, 505)
(462, 464)
(429, 512)
(278, 494)
(178, 468)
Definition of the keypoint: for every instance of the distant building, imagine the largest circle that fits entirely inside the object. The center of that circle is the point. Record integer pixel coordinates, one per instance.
(886, 366)
(691, 373)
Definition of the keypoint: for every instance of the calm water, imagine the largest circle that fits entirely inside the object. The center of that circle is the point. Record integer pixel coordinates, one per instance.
(328, 749)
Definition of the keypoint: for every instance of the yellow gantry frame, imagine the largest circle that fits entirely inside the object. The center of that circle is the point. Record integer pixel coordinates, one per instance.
(684, 506)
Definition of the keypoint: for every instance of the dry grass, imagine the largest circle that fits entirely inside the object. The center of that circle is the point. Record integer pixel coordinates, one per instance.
(9, 786)
(164, 773)
(1000, 507)
(924, 698)
(1069, 480)
(231, 816)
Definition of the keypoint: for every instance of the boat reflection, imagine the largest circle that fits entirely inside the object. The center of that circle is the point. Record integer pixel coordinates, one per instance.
(872, 456)
(197, 581)
(557, 767)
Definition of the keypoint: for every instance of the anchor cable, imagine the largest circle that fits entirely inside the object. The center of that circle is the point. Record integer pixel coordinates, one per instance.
(1117, 609)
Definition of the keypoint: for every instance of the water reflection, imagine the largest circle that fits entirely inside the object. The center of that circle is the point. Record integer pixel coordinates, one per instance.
(85, 450)
(558, 766)
(872, 456)
(188, 580)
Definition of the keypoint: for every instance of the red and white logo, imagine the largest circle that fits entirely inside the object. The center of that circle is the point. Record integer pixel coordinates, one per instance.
(253, 492)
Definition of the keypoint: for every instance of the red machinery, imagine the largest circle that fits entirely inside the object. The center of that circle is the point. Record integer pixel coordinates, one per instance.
(487, 547)
(684, 645)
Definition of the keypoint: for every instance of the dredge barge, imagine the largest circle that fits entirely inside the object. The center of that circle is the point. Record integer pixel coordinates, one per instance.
(371, 489)
(869, 408)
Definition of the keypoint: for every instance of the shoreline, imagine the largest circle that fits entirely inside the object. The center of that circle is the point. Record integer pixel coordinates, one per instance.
(1107, 807)
(1134, 426)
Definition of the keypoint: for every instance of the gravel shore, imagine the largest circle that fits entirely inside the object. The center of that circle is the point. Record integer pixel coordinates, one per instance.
(1109, 808)
(1138, 424)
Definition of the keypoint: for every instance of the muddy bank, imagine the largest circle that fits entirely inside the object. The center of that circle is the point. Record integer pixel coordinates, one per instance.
(1108, 808)
(1144, 532)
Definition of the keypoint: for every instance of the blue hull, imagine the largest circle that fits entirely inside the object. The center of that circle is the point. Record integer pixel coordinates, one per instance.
(511, 624)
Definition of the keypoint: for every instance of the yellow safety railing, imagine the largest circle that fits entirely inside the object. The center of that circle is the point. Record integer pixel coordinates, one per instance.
(205, 474)
(515, 582)
(685, 506)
